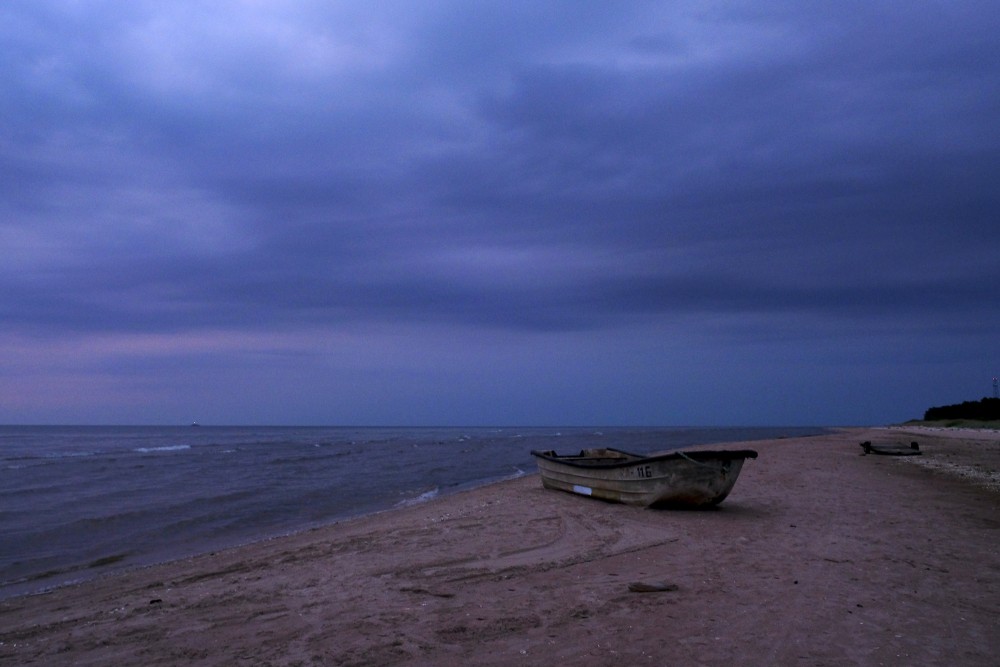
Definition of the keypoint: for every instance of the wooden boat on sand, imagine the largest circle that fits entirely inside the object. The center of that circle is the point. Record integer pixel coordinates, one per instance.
(676, 479)
(891, 450)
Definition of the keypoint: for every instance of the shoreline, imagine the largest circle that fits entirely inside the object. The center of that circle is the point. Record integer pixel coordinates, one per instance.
(247, 544)
(819, 556)
(74, 559)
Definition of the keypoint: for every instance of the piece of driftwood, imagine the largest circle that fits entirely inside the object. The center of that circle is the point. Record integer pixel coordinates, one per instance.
(652, 587)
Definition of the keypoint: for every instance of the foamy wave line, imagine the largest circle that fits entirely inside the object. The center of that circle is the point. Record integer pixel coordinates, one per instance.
(422, 498)
(165, 448)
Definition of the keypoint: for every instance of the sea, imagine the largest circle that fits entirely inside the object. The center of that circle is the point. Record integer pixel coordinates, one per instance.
(79, 502)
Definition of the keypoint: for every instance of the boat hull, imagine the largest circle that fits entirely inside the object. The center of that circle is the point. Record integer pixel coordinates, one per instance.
(679, 479)
(891, 450)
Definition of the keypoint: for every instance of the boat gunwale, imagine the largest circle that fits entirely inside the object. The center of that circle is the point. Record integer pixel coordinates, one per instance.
(582, 461)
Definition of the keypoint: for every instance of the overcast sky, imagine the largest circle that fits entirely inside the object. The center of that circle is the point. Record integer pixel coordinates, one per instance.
(459, 213)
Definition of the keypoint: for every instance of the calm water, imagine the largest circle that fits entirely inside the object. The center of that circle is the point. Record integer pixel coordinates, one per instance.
(78, 502)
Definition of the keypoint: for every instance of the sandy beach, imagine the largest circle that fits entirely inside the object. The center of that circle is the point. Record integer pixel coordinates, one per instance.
(820, 556)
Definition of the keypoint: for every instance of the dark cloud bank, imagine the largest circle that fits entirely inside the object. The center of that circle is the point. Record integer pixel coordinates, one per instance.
(768, 188)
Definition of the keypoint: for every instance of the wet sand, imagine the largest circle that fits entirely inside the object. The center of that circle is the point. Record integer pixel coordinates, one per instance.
(820, 556)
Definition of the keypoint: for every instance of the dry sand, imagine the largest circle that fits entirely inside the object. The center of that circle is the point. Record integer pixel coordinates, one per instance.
(821, 556)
